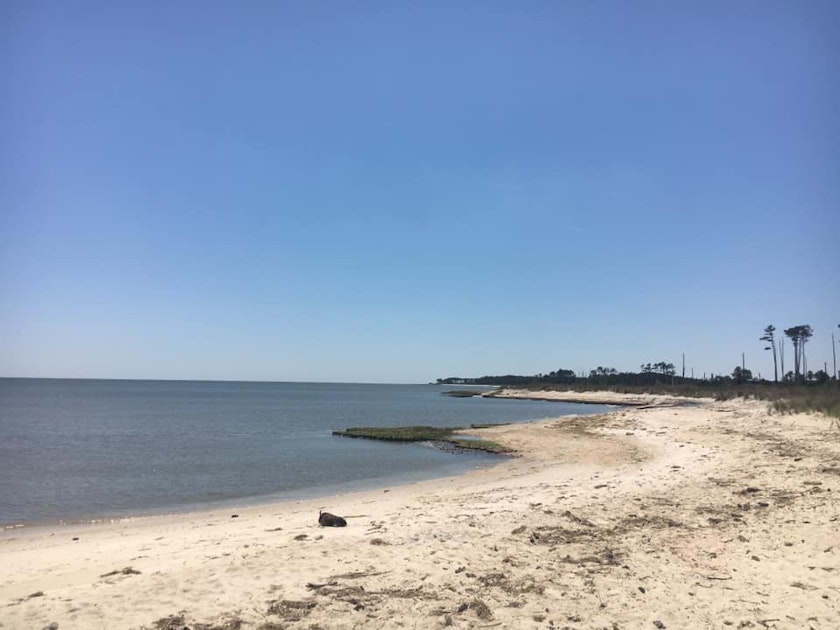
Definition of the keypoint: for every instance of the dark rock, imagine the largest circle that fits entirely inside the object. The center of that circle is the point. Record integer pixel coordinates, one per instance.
(325, 519)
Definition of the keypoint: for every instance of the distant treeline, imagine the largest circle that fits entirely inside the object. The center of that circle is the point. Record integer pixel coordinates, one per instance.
(650, 374)
(560, 376)
(622, 378)
(664, 373)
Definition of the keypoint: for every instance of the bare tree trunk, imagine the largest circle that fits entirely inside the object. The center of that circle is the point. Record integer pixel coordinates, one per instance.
(804, 361)
(782, 355)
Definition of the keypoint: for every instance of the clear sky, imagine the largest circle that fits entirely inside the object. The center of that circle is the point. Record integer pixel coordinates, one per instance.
(400, 191)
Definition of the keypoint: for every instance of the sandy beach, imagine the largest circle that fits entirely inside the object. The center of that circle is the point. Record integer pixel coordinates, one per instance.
(669, 514)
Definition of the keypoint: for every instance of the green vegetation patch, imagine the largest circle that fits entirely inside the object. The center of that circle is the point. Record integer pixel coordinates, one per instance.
(464, 393)
(445, 435)
(487, 425)
(399, 434)
(481, 445)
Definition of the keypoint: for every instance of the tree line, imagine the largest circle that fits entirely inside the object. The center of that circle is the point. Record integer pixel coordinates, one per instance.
(664, 372)
(799, 336)
(557, 377)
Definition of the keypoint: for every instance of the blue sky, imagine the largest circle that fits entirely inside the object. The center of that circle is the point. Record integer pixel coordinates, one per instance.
(395, 192)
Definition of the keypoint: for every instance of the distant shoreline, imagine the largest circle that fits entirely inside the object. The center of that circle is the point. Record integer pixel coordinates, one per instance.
(589, 398)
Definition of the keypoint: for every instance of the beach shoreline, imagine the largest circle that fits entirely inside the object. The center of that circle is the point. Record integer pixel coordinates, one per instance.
(82, 451)
(235, 504)
(690, 516)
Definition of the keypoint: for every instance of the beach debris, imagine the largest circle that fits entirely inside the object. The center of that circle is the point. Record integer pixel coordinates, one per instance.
(577, 519)
(355, 575)
(179, 622)
(125, 571)
(481, 610)
(290, 610)
(325, 519)
(53, 625)
(20, 600)
(659, 624)
(234, 515)
(301, 537)
(172, 622)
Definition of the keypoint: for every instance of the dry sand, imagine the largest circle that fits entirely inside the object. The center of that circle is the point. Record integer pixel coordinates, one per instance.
(710, 515)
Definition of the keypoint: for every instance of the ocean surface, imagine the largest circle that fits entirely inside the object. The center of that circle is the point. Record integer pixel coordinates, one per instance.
(75, 450)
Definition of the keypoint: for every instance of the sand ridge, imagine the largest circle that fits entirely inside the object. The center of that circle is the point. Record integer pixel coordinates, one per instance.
(702, 516)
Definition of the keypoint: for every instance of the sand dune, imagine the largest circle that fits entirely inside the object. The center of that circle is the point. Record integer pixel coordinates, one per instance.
(709, 516)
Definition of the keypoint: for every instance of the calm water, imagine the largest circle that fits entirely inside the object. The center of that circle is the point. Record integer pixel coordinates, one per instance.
(81, 449)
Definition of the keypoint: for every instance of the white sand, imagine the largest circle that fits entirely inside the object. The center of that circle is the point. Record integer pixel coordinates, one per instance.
(616, 521)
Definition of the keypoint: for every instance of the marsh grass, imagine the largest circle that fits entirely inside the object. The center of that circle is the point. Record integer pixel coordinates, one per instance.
(400, 434)
(480, 445)
(823, 399)
(446, 435)
(463, 393)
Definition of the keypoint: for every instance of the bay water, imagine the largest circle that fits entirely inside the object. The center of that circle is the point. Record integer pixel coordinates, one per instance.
(75, 450)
